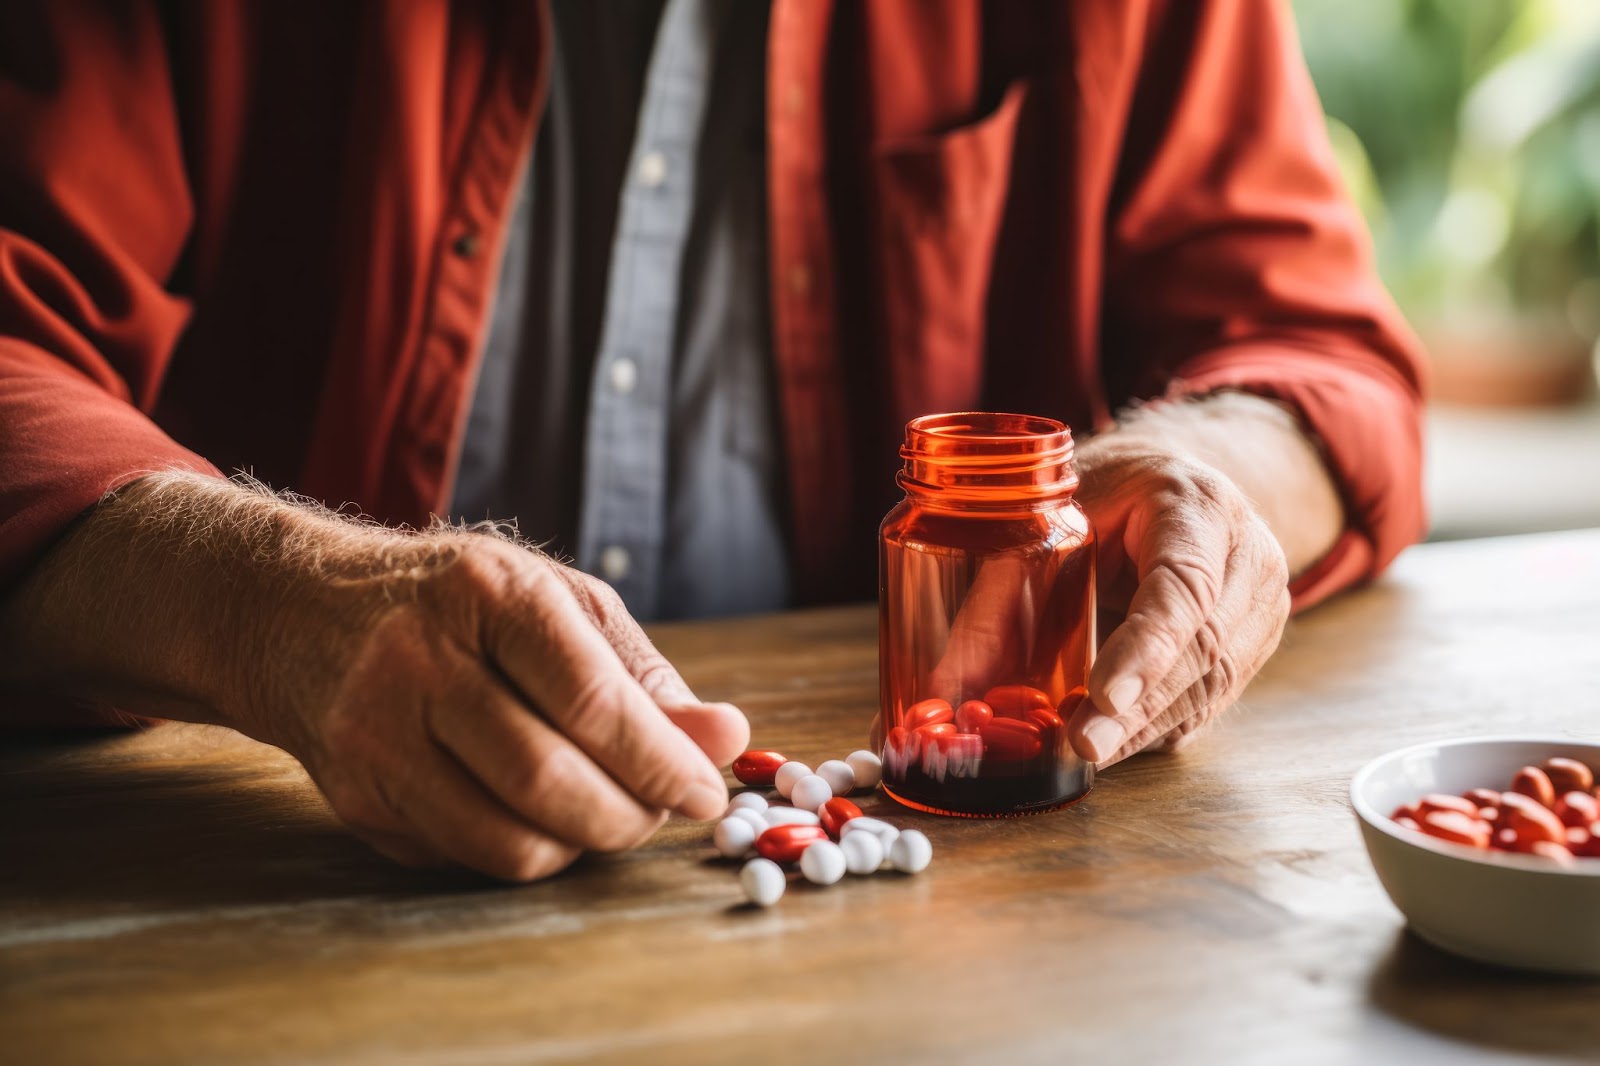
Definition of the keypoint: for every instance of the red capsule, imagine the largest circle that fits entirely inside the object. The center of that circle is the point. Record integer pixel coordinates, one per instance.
(784, 843)
(1049, 723)
(1482, 797)
(1577, 808)
(1408, 823)
(928, 712)
(1568, 775)
(1588, 848)
(1439, 801)
(973, 715)
(1457, 827)
(1551, 850)
(1530, 819)
(1069, 706)
(1008, 738)
(1014, 701)
(1406, 810)
(835, 813)
(899, 752)
(922, 737)
(953, 755)
(1535, 784)
(758, 768)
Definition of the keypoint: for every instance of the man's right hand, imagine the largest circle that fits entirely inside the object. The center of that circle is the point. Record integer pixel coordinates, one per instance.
(455, 696)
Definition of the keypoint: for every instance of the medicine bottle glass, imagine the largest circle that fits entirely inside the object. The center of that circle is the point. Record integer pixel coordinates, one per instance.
(986, 604)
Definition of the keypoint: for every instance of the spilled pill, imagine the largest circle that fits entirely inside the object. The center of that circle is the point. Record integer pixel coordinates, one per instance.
(789, 773)
(763, 881)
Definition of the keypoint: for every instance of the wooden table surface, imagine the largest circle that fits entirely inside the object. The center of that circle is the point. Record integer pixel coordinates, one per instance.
(183, 895)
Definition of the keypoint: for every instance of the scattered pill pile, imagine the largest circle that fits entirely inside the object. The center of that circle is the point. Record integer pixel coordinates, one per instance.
(823, 832)
(1552, 810)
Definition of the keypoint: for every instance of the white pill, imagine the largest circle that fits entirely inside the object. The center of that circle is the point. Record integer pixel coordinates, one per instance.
(822, 863)
(810, 792)
(862, 852)
(867, 767)
(763, 881)
(911, 852)
(838, 775)
(756, 819)
(733, 837)
(790, 816)
(754, 800)
(788, 774)
(876, 826)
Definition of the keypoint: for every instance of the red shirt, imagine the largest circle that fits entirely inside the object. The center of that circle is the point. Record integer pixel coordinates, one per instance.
(263, 235)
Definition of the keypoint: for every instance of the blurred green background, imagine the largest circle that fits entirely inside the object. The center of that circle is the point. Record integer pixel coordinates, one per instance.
(1469, 133)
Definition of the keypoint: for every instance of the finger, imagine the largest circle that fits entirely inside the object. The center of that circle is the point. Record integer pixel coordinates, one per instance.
(1205, 700)
(1182, 559)
(538, 773)
(544, 643)
(461, 821)
(405, 850)
(1095, 734)
(720, 729)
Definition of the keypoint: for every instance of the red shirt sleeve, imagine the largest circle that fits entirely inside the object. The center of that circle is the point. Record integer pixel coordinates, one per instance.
(1236, 260)
(94, 213)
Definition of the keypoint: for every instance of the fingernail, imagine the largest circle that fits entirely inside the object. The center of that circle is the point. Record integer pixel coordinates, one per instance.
(705, 801)
(1104, 736)
(1123, 694)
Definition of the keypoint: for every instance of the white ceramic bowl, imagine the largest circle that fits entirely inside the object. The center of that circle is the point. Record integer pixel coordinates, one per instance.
(1512, 910)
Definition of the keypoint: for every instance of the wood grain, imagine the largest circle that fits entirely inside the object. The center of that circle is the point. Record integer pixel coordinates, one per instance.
(183, 896)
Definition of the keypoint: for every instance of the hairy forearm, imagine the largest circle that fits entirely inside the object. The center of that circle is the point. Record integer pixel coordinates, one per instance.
(1262, 449)
(164, 600)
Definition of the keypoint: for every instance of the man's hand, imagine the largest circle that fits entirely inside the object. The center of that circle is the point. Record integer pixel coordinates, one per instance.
(1198, 569)
(455, 696)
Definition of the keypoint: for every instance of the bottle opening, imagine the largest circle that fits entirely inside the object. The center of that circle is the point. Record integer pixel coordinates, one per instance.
(988, 458)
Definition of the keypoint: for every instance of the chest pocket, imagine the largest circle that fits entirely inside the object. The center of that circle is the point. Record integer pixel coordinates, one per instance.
(940, 202)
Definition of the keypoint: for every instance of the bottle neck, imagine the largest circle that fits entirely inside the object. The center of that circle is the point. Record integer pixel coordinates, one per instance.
(983, 461)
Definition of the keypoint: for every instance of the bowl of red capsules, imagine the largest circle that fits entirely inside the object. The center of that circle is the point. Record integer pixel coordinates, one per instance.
(1490, 846)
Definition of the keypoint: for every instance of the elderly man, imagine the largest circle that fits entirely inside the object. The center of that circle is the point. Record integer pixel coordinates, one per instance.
(661, 281)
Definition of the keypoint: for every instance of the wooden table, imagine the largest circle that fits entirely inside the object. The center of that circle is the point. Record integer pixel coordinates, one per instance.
(183, 896)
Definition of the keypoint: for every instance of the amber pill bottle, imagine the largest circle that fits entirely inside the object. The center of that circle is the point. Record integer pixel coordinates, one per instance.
(986, 605)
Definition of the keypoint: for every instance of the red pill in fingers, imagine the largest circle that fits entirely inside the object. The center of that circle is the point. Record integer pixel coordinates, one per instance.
(835, 813)
(1530, 819)
(784, 843)
(1011, 739)
(1440, 801)
(928, 712)
(1457, 828)
(1577, 808)
(1535, 784)
(1015, 701)
(973, 716)
(1568, 775)
(758, 768)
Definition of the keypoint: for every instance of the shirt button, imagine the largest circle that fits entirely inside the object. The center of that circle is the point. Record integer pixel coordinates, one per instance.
(614, 563)
(465, 245)
(652, 170)
(624, 375)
